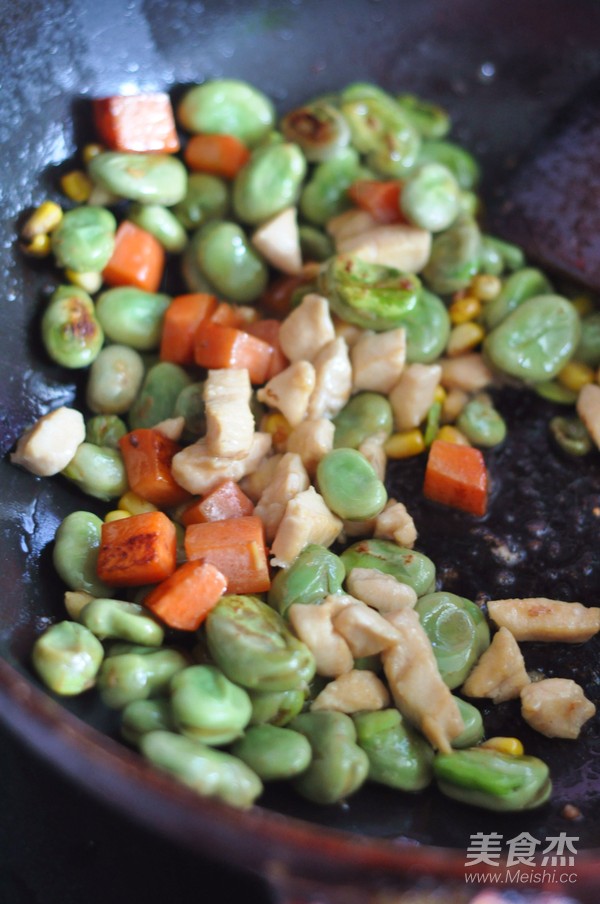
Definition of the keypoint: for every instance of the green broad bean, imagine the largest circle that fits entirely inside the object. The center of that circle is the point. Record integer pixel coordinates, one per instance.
(511, 257)
(229, 263)
(535, 342)
(105, 430)
(371, 296)
(119, 620)
(208, 706)
(517, 288)
(147, 178)
(380, 129)
(458, 160)
(194, 278)
(481, 424)
(325, 193)
(268, 183)
(473, 732)
(75, 553)
(458, 632)
(571, 435)
(160, 222)
(427, 328)
(209, 772)
(430, 197)
(314, 574)
(492, 780)
(315, 245)
(275, 707)
(399, 756)
(84, 239)
(158, 395)
(406, 565)
(430, 120)
(253, 646)
(318, 128)
(71, 333)
(349, 485)
(67, 657)
(190, 406)
(132, 672)
(114, 379)
(338, 767)
(588, 348)
(227, 107)
(469, 204)
(142, 716)
(491, 260)
(274, 753)
(366, 414)
(98, 471)
(206, 198)
(553, 391)
(130, 316)
(454, 258)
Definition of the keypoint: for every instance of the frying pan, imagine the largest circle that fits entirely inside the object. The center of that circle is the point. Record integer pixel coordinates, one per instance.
(502, 69)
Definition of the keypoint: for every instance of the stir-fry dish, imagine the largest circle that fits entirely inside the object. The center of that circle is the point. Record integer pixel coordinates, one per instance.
(268, 310)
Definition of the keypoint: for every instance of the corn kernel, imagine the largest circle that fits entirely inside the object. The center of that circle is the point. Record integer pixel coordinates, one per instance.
(404, 445)
(463, 310)
(452, 435)
(116, 515)
(510, 746)
(77, 186)
(133, 504)
(43, 220)
(90, 151)
(440, 394)
(39, 246)
(89, 282)
(278, 427)
(583, 304)
(575, 375)
(485, 286)
(464, 338)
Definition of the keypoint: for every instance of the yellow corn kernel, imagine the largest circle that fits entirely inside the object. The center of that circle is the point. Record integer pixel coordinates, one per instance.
(583, 304)
(463, 310)
(510, 746)
(485, 286)
(77, 186)
(404, 445)
(90, 151)
(89, 282)
(133, 504)
(464, 338)
(116, 515)
(43, 220)
(39, 246)
(279, 428)
(575, 375)
(440, 394)
(452, 435)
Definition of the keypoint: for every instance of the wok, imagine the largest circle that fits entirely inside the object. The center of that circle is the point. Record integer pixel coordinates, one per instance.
(502, 69)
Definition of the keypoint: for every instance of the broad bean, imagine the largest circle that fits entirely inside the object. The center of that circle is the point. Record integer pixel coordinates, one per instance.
(588, 348)
(473, 731)
(105, 430)
(130, 316)
(481, 424)
(75, 553)
(427, 328)
(398, 755)
(98, 471)
(318, 128)
(457, 159)
(349, 485)
(229, 263)
(430, 120)
(268, 183)
(160, 222)
(366, 414)
(406, 565)
(206, 198)
(454, 258)
(458, 632)
(275, 707)
(227, 107)
(338, 767)
(430, 197)
(313, 575)
(325, 193)
(84, 239)
(142, 716)
(208, 706)
(517, 288)
(315, 245)
(274, 753)
(132, 672)
(71, 332)
(147, 178)
(571, 435)
(190, 406)
(67, 657)
(114, 379)
(120, 620)
(157, 398)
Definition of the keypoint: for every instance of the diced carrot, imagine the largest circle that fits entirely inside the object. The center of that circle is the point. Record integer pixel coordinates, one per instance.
(138, 259)
(456, 475)
(182, 318)
(237, 315)
(138, 122)
(236, 547)
(268, 331)
(380, 199)
(140, 549)
(227, 500)
(217, 346)
(147, 455)
(220, 155)
(186, 597)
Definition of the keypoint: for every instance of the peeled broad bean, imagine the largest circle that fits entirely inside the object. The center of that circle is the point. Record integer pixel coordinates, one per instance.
(71, 332)
(130, 316)
(381, 130)
(158, 395)
(313, 575)
(430, 197)
(338, 767)
(318, 128)
(253, 646)
(349, 485)
(505, 255)
(473, 731)
(160, 222)
(229, 263)
(430, 120)
(269, 182)
(427, 328)
(398, 755)
(406, 565)
(98, 471)
(208, 706)
(275, 707)
(454, 258)
(105, 430)
(571, 435)
(481, 424)
(227, 107)
(67, 657)
(84, 239)
(147, 178)
(206, 198)
(325, 193)
(114, 379)
(366, 414)
(272, 752)
(517, 288)
(315, 245)
(209, 772)
(120, 620)
(137, 673)
(458, 632)
(75, 553)
(458, 160)
(142, 716)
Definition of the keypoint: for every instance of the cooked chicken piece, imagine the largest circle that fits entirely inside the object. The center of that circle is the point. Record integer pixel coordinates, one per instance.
(538, 618)
(229, 418)
(378, 360)
(406, 248)
(49, 445)
(348, 331)
(416, 684)
(312, 440)
(350, 223)
(588, 409)
(469, 373)
(453, 404)
(290, 391)
(353, 692)
(379, 590)
(373, 450)
(289, 479)
(556, 707)
(197, 471)
(333, 380)
(306, 520)
(171, 427)
(306, 329)
(255, 483)
(352, 530)
(365, 631)
(414, 393)
(279, 242)
(395, 523)
(314, 626)
(500, 672)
